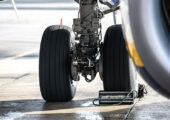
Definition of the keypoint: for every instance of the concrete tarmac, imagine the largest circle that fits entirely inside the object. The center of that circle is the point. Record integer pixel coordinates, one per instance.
(20, 99)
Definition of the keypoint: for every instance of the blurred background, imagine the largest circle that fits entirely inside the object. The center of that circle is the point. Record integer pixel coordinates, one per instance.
(21, 36)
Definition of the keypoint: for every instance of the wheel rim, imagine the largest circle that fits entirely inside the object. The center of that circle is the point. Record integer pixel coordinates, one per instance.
(73, 87)
(133, 75)
(73, 76)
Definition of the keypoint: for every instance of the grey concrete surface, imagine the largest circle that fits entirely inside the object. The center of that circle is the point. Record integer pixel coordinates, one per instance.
(20, 97)
(21, 100)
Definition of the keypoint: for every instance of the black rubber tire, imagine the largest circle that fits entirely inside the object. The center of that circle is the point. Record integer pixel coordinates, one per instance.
(116, 74)
(54, 65)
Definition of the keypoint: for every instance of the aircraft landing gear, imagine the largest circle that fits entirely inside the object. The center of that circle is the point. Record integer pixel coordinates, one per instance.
(62, 60)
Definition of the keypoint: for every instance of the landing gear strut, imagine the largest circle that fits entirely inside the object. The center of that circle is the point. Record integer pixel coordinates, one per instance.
(87, 29)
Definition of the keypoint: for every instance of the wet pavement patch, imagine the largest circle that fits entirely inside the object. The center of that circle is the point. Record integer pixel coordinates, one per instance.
(11, 116)
(76, 109)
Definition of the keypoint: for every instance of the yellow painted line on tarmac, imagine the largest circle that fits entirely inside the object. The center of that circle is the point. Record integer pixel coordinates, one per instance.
(20, 55)
(81, 110)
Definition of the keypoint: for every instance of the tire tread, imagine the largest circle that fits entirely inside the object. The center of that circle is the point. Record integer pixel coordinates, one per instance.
(115, 61)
